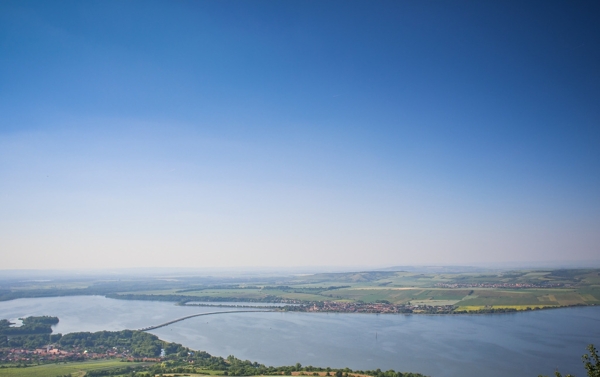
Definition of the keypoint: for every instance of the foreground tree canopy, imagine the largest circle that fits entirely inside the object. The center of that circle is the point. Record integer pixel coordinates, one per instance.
(591, 363)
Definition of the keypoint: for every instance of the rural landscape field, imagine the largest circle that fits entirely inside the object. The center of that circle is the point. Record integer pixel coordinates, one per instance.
(473, 291)
(34, 349)
(74, 369)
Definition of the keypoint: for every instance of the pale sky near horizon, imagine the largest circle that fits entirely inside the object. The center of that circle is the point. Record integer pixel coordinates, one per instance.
(298, 133)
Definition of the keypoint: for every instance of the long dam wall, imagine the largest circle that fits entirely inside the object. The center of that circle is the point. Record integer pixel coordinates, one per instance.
(199, 315)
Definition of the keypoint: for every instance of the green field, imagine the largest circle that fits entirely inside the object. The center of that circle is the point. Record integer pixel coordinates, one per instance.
(247, 293)
(61, 369)
(420, 289)
(485, 288)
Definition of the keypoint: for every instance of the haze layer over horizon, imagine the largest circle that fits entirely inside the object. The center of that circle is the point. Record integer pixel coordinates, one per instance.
(298, 133)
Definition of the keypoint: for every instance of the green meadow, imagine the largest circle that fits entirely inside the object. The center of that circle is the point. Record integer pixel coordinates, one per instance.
(68, 368)
(478, 289)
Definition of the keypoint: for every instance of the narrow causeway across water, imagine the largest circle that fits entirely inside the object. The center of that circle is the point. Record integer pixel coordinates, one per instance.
(200, 314)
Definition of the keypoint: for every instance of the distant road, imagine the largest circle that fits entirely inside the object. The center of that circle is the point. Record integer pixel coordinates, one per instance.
(201, 314)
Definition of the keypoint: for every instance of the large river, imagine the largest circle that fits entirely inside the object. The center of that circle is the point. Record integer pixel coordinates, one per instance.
(519, 344)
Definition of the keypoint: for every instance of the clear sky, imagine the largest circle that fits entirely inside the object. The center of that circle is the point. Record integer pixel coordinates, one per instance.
(298, 133)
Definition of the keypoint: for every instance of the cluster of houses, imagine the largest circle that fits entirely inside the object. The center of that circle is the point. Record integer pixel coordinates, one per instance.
(359, 307)
(501, 285)
(52, 353)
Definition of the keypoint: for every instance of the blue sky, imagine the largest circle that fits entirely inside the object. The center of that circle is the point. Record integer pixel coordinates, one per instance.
(298, 133)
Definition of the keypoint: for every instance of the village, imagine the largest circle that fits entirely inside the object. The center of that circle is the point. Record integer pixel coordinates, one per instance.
(53, 353)
(503, 285)
(375, 308)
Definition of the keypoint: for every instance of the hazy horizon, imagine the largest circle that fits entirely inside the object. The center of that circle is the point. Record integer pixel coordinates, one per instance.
(308, 269)
(298, 134)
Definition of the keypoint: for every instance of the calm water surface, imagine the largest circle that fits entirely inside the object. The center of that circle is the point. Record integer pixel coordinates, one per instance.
(96, 313)
(519, 344)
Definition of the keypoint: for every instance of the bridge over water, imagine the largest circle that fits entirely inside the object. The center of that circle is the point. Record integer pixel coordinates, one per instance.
(201, 314)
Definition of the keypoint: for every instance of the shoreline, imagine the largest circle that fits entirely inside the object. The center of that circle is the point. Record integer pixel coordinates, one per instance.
(419, 310)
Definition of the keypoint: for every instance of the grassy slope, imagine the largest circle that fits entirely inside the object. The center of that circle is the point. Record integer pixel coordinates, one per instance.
(64, 368)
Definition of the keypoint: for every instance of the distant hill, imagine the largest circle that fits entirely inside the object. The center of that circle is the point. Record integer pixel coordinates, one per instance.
(436, 269)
